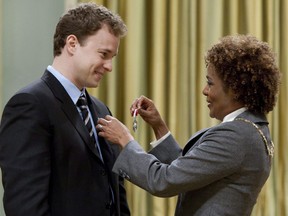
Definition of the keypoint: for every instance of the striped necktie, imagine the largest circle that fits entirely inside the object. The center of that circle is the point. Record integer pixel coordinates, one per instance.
(82, 104)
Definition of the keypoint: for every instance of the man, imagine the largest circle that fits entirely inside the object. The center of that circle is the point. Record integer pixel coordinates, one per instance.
(53, 163)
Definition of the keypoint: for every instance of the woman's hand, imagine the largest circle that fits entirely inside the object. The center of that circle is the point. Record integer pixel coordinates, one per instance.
(148, 111)
(114, 131)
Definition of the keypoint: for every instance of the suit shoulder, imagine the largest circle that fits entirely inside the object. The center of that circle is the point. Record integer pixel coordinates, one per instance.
(34, 93)
(235, 131)
(35, 87)
(233, 127)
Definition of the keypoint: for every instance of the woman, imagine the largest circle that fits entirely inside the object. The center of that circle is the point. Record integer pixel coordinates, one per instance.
(221, 170)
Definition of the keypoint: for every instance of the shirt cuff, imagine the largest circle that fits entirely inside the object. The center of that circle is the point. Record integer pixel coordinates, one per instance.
(157, 142)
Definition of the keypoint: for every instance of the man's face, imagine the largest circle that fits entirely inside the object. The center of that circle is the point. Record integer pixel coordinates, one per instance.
(94, 57)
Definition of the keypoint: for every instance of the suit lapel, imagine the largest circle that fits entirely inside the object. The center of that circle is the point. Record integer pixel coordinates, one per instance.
(96, 113)
(69, 109)
(108, 150)
(193, 140)
(260, 119)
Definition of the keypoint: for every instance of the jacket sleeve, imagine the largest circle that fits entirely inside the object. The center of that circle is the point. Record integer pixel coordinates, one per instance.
(25, 157)
(216, 156)
(167, 151)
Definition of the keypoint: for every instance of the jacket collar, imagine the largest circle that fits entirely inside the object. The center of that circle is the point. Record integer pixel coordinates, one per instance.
(69, 109)
(257, 118)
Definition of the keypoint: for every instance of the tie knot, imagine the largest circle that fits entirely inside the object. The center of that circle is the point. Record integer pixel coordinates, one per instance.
(82, 101)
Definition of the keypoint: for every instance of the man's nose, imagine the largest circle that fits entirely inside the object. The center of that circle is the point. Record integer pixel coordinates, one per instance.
(108, 65)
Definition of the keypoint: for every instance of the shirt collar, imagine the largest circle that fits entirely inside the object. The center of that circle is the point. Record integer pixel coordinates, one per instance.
(70, 88)
(231, 116)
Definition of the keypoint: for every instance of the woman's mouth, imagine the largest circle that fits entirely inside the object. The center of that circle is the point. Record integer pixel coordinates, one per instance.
(208, 104)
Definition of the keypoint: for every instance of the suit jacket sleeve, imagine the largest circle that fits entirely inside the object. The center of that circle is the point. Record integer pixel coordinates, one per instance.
(25, 157)
(214, 156)
(168, 151)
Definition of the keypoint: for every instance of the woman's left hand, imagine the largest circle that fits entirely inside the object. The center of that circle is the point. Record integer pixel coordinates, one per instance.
(114, 131)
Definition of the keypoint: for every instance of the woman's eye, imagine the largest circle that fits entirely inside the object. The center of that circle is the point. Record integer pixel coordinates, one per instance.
(209, 83)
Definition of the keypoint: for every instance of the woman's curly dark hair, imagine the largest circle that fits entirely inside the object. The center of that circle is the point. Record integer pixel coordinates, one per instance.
(248, 67)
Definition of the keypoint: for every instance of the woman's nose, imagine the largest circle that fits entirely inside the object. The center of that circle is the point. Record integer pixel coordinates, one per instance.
(205, 90)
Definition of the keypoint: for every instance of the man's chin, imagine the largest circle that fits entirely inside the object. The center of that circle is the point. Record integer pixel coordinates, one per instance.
(93, 85)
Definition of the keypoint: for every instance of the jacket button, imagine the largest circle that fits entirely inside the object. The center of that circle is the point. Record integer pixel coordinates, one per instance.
(108, 205)
(103, 172)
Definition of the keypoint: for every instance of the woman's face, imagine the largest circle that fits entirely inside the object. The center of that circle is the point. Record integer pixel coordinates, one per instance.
(220, 102)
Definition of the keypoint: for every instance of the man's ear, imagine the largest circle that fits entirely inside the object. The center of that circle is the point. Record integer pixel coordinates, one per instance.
(71, 43)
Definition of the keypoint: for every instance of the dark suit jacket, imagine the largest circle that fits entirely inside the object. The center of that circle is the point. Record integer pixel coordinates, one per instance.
(220, 171)
(49, 164)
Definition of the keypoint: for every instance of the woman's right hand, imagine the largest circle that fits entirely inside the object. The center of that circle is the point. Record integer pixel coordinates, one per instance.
(149, 113)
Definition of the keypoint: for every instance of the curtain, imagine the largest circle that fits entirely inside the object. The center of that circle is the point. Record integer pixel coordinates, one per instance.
(162, 58)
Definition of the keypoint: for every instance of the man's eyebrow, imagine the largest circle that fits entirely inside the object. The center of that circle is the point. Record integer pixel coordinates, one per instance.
(105, 50)
(108, 51)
